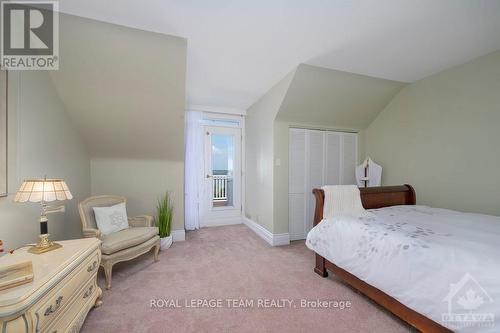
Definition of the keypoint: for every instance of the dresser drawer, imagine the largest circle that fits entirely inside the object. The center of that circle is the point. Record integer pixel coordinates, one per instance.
(72, 317)
(51, 306)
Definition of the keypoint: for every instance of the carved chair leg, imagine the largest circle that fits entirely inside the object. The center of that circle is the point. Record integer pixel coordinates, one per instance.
(108, 271)
(157, 250)
(320, 266)
(98, 301)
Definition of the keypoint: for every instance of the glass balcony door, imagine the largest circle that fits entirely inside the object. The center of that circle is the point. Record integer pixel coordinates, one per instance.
(222, 174)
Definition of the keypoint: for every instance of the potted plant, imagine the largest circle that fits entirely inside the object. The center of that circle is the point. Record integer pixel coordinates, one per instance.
(165, 209)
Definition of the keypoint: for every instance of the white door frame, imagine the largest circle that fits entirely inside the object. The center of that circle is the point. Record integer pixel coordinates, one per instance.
(221, 216)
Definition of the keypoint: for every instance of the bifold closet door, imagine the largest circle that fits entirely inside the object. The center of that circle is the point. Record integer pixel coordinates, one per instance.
(333, 160)
(349, 158)
(315, 172)
(316, 158)
(297, 184)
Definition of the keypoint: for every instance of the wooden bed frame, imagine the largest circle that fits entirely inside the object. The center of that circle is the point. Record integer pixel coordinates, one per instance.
(377, 197)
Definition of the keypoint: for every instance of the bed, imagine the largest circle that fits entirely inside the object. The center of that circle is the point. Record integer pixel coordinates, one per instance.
(407, 259)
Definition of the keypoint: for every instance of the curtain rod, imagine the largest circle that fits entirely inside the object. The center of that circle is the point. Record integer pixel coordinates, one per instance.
(324, 129)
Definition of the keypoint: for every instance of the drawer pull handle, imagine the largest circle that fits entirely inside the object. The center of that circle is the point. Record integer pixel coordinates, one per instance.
(88, 292)
(92, 267)
(51, 309)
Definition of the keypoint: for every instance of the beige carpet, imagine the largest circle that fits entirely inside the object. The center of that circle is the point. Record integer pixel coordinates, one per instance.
(231, 264)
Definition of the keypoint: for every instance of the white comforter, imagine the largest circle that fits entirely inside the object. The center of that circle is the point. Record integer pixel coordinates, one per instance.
(440, 263)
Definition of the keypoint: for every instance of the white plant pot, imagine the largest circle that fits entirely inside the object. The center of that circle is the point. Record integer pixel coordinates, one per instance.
(165, 242)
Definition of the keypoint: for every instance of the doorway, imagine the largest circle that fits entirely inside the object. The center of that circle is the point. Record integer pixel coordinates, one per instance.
(218, 173)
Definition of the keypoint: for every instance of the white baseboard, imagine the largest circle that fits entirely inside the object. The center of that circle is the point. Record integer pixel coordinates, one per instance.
(178, 235)
(269, 237)
(223, 221)
(281, 239)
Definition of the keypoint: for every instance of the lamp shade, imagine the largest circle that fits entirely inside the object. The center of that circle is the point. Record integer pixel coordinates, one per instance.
(46, 190)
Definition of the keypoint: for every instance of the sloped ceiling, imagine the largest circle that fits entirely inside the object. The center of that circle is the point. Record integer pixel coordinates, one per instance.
(324, 97)
(238, 49)
(124, 88)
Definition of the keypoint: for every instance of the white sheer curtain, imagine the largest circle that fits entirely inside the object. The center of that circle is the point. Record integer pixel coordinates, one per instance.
(193, 169)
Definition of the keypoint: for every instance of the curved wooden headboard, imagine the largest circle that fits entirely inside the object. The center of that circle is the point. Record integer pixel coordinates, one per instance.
(372, 197)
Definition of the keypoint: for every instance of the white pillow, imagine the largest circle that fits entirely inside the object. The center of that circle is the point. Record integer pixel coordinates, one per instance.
(111, 219)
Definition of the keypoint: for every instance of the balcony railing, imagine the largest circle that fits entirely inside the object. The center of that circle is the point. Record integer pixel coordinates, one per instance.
(220, 187)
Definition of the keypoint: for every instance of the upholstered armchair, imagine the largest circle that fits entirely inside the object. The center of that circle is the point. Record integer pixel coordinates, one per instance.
(139, 238)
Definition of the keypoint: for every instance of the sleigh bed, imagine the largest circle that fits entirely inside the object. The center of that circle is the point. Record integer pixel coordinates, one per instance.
(373, 198)
(436, 269)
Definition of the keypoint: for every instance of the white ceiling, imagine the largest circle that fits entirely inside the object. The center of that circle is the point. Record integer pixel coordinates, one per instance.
(238, 49)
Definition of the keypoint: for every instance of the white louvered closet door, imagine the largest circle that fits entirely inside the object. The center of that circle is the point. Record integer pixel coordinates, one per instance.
(316, 158)
(315, 152)
(349, 158)
(297, 183)
(333, 153)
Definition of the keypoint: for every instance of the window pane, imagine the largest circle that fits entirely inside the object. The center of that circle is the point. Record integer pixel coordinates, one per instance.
(222, 169)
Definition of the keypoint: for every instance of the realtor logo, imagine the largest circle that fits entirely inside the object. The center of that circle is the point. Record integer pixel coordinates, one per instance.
(466, 302)
(29, 35)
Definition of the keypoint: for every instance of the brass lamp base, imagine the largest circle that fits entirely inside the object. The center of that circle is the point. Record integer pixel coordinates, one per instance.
(44, 245)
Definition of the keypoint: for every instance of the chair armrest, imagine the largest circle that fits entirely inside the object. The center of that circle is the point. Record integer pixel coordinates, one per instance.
(89, 233)
(141, 221)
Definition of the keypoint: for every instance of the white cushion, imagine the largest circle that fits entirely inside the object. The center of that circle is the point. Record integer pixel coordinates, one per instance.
(111, 219)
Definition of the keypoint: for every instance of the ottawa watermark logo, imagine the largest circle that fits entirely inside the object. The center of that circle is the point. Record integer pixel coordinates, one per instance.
(29, 35)
(468, 305)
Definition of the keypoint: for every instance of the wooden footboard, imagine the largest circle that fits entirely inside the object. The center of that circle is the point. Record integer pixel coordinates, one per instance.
(376, 197)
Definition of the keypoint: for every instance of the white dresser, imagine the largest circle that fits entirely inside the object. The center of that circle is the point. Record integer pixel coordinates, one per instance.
(61, 294)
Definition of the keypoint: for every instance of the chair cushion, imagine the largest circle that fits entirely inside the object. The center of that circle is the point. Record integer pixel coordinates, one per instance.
(127, 238)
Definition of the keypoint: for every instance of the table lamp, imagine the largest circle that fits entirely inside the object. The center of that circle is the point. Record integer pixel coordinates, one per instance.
(44, 190)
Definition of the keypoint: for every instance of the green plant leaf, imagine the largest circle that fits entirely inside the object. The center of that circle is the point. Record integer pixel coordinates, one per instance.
(164, 211)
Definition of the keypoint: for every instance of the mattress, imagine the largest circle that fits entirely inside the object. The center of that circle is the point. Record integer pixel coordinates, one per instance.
(441, 263)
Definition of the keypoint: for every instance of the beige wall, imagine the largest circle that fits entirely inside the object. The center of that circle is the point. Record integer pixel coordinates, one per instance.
(125, 88)
(42, 141)
(325, 97)
(259, 155)
(280, 194)
(142, 182)
(441, 134)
